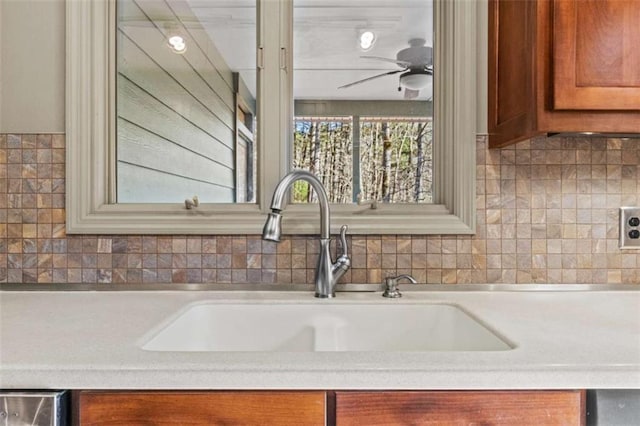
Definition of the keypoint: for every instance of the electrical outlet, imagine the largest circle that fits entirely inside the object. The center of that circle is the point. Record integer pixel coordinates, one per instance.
(630, 227)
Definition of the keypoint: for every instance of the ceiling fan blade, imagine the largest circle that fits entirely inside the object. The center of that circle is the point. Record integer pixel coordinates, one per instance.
(370, 78)
(410, 93)
(394, 61)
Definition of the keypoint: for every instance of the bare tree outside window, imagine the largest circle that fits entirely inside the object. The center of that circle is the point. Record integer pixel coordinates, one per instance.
(393, 164)
(324, 147)
(396, 160)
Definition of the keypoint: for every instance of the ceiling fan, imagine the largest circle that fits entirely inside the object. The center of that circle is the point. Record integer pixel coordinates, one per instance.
(417, 68)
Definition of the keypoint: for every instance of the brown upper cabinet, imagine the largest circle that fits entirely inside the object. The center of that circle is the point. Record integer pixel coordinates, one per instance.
(559, 66)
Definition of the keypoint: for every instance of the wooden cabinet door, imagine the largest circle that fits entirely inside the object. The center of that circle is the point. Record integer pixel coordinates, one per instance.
(596, 54)
(511, 97)
(460, 408)
(158, 408)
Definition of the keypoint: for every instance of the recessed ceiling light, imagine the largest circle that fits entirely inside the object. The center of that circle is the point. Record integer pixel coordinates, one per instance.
(367, 40)
(177, 44)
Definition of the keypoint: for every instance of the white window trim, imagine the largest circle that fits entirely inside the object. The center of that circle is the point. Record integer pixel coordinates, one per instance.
(90, 137)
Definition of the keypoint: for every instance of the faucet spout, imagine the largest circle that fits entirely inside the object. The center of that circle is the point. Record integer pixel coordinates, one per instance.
(284, 185)
(327, 272)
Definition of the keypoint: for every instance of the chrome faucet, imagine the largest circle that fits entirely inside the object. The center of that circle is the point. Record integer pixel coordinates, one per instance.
(327, 272)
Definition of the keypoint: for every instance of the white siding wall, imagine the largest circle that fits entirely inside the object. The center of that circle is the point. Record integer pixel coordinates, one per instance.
(176, 112)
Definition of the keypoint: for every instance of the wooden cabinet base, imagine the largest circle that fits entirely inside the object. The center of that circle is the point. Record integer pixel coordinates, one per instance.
(341, 408)
(460, 408)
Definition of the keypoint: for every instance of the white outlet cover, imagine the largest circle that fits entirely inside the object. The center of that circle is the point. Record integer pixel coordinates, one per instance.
(628, 227)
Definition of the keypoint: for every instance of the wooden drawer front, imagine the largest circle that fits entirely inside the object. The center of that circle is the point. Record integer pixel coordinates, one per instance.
(201, 408)
(460, 408)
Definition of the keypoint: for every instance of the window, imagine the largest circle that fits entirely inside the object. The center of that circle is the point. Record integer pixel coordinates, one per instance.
(91, 195)
(185, 101)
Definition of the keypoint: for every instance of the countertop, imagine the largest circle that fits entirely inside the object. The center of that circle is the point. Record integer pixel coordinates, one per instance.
(92, 339)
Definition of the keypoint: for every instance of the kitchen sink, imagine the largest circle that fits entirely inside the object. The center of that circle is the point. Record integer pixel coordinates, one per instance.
(309, 327)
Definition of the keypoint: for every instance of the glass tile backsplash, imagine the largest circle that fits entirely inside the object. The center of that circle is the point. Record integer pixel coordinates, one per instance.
(547, 213)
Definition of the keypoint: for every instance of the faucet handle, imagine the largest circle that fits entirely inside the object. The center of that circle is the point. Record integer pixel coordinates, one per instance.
(343, 240)
(343, 263)
(391, 285)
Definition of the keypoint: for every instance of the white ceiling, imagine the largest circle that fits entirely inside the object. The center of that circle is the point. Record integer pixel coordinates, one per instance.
(326, 52)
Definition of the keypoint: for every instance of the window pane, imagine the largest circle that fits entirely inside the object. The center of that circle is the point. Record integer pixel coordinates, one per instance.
(186, 88)
(323, 146)
(396, 158)
(370, 61)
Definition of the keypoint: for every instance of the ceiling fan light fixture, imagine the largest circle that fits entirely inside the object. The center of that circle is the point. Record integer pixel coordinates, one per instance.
(415, 81)
(366, 40)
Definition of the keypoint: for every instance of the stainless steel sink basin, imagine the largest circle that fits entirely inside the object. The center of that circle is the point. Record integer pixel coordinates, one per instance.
(302, 327)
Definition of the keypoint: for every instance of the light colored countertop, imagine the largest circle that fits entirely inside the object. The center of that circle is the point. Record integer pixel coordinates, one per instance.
(92, 339)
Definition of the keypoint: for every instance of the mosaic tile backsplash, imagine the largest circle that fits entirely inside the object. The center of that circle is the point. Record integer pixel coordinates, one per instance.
(547, 213)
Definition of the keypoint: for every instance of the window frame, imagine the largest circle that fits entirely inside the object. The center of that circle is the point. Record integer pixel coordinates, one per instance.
(90, 134)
